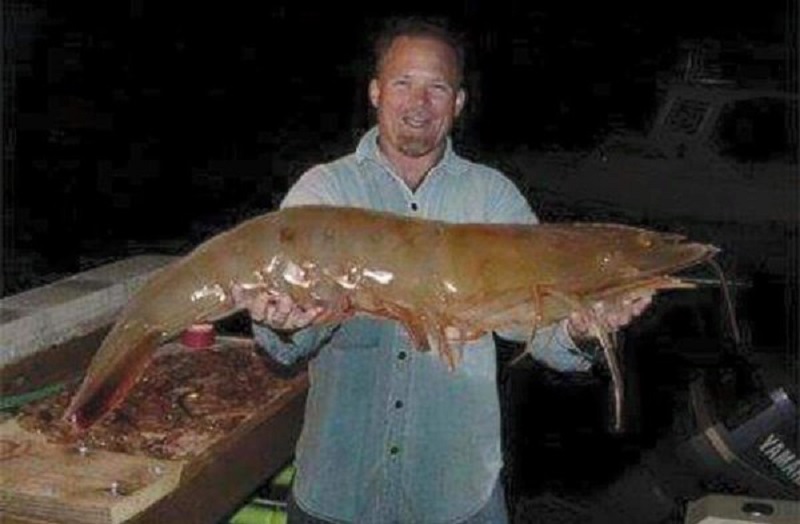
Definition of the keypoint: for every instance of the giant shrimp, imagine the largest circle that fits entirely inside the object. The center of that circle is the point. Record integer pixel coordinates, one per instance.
(435, 278)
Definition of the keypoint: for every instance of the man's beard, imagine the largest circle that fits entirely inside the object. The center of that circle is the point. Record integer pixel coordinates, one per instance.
(416, 146)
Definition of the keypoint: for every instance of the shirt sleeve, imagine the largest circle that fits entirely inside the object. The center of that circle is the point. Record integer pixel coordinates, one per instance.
(314, 187)
(506, 205)
(299, 345)
(551, 345)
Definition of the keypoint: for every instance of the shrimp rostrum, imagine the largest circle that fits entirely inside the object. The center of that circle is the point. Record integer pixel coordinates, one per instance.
(435, 278)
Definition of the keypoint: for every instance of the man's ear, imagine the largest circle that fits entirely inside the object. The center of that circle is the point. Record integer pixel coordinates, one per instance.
(374, 92)
(461, 99)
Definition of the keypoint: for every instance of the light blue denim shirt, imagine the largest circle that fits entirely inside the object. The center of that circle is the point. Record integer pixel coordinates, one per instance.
(390, 434)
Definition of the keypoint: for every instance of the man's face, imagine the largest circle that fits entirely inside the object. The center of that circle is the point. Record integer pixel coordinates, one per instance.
(417, 96)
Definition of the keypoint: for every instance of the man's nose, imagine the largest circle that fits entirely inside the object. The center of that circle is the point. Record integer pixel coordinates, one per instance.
(420, 96)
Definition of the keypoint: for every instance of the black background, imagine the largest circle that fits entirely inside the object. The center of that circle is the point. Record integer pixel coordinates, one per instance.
(147, 126)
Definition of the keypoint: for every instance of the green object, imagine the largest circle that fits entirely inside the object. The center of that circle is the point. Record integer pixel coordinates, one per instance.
(284, 478)
(255, 513)
(265, 511)
(15, 401)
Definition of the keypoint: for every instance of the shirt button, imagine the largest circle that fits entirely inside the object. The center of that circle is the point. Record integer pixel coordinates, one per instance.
(414, 206)
(398, 404)
(394, 450)
(402, 355)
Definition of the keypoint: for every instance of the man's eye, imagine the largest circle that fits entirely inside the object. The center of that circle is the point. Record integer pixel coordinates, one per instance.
(402, 82)
(441, 88)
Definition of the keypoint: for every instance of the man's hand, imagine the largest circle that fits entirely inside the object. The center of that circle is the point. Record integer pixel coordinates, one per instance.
(277, 311)
(608, 316)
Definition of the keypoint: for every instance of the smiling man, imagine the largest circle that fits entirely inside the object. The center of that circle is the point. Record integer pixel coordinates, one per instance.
(417, 94)
(390, 434)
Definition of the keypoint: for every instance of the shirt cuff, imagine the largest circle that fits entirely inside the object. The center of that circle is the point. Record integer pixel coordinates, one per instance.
(288, 349)
(555, 348)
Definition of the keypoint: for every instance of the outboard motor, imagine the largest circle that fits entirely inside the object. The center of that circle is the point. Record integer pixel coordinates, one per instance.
(747, 446)
(745, 429)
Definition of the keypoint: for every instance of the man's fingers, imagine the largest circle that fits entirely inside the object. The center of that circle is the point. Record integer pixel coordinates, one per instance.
(283, 313)
(579, 323)
(608, 315)
(265, 306)
(277, 310)
(303, 316)
(236, 294)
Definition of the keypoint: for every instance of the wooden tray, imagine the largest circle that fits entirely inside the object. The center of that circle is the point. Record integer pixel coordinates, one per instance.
(58, 483)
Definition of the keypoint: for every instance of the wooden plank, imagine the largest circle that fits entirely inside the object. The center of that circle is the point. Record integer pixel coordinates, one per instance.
(10, 519)
(57, 482)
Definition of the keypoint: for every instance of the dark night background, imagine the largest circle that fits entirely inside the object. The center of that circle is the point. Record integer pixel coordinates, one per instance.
(146, 127)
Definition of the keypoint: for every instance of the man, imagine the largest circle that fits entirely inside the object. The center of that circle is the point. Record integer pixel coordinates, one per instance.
(390, 435)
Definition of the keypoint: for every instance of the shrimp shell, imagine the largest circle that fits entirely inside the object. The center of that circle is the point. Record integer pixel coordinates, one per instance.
(433, 277)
